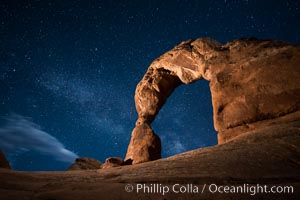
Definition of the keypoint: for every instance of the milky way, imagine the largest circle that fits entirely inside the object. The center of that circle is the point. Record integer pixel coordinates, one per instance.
(71, 68)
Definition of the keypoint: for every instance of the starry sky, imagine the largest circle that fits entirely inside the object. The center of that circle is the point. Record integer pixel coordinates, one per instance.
(68, 72)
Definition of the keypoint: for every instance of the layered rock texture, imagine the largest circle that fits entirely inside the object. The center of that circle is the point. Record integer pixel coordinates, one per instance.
(250, 81)
(3, 161)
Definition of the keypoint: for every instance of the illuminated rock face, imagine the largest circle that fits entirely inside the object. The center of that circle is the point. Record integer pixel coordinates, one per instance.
(144, 145)
(250, 81)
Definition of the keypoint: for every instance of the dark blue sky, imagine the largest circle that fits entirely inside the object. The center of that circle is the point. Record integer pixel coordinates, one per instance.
(68, 72)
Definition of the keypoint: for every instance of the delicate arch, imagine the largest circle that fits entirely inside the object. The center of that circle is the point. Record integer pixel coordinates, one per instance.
(245, 78)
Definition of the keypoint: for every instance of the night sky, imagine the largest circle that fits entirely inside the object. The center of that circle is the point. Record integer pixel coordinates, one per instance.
(69, 68)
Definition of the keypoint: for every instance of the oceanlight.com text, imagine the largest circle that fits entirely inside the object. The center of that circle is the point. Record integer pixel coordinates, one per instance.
(251, 189)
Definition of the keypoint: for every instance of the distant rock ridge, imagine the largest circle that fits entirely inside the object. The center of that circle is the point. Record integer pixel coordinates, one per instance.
(92, 164)
(3, 161)
(250, 81)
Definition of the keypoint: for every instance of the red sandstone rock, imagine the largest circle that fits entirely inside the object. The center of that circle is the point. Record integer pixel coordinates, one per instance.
(85, 164)
(250, 80)
(144, 145)
(258, 147)
(112, 162)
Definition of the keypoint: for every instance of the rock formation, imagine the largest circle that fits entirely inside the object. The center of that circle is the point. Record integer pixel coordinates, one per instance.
(92, 164)
(255, 96)
(112, 162)
(145, 145)
(3, 161)
(85, 164)
(250, 80)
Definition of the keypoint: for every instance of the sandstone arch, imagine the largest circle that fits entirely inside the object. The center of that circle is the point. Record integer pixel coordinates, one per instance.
(250, 80)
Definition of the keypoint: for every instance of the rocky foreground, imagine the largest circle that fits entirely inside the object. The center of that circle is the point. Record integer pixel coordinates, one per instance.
(268, 156)
(255, 88)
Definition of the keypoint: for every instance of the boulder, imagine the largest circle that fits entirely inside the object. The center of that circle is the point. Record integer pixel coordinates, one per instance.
(85, 164)
(112, 162)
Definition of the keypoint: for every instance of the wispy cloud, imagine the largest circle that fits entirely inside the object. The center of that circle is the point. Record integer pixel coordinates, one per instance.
(20, 134)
